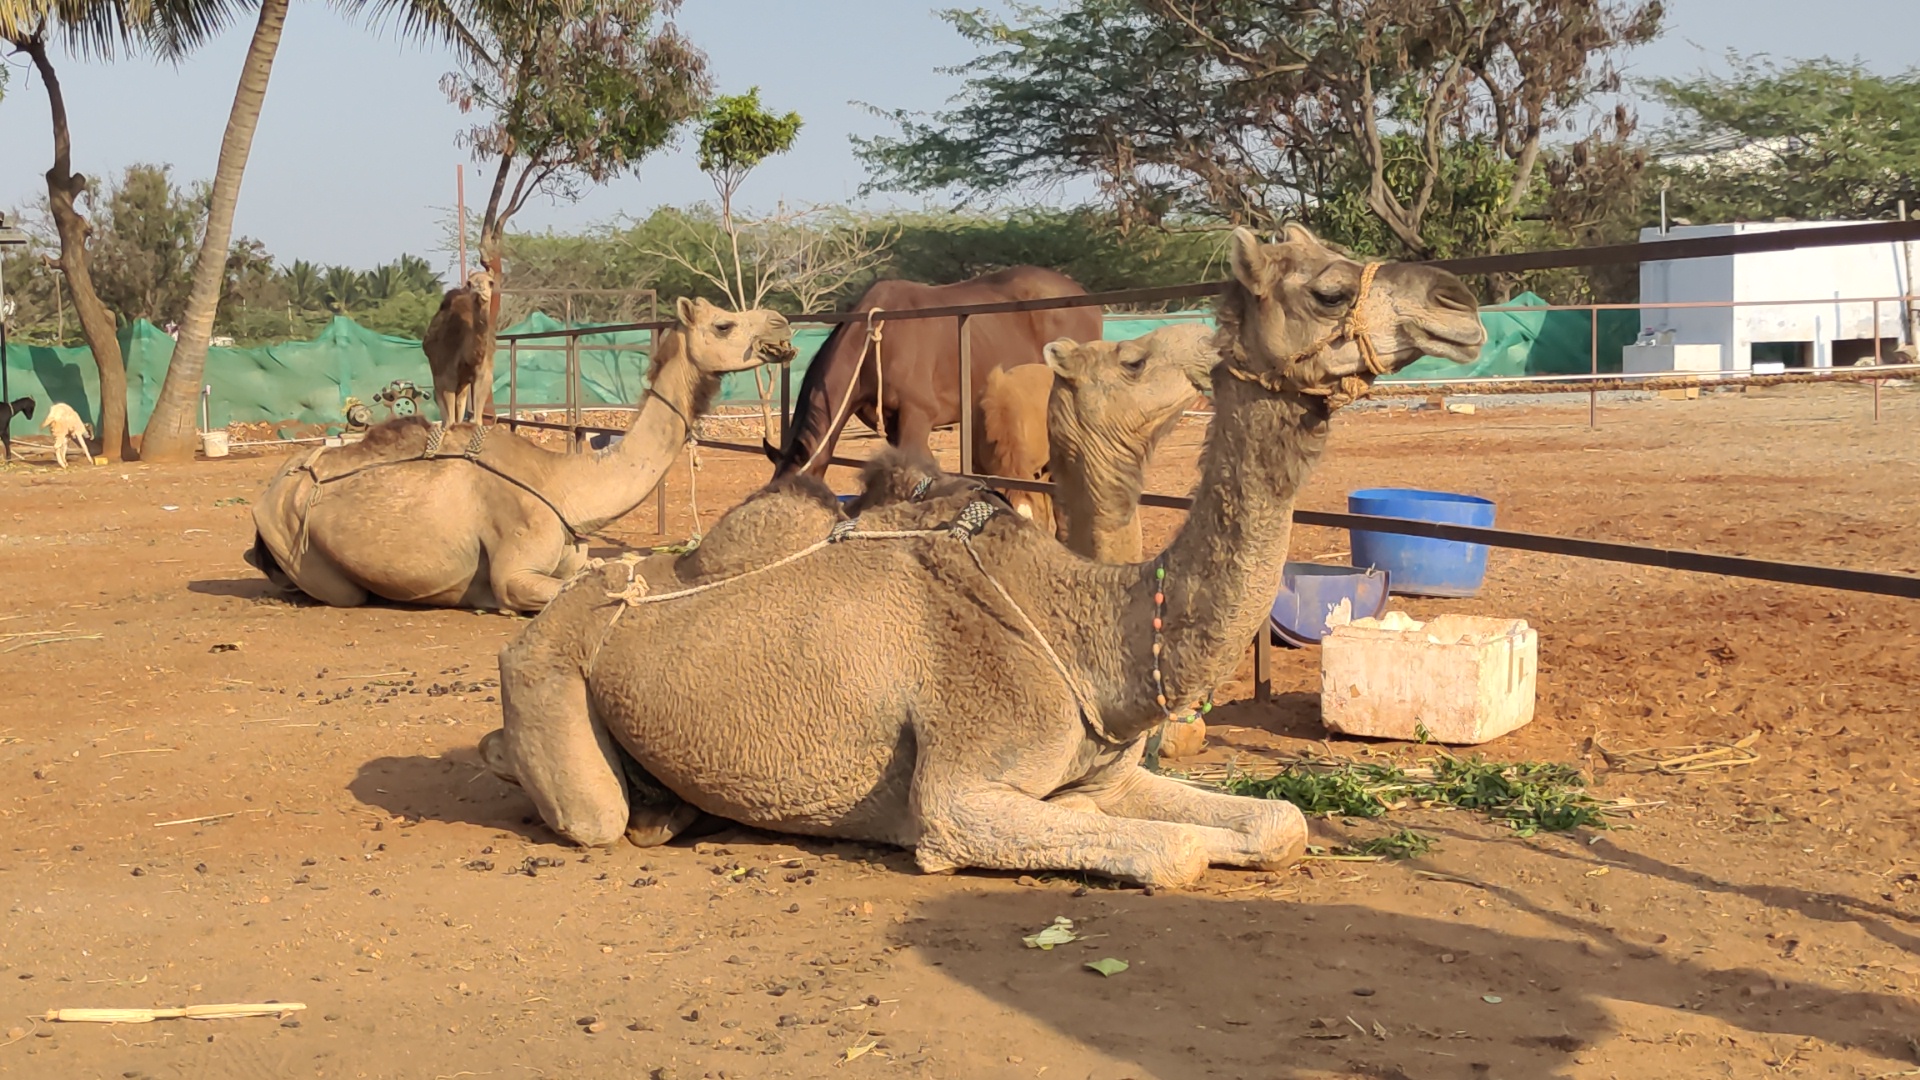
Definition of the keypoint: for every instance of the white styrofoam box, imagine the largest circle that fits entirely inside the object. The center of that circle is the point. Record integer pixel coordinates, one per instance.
(1648, 359)
(1457, 679)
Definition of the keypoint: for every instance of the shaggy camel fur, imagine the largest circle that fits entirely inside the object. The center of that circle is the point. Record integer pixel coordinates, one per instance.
(1010, 435)
(982, 701)
(1119, 400)
(459, 348)
(1111, 405)
(66, 424)
(405, 515)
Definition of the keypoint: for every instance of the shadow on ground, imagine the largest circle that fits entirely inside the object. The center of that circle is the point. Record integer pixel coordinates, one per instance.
(1281, 989)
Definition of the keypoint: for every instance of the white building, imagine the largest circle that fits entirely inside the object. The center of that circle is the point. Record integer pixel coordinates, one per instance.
(1800, 334)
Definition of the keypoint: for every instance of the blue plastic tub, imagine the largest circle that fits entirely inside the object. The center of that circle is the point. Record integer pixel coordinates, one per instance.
(1310, 591)
(1418, 565)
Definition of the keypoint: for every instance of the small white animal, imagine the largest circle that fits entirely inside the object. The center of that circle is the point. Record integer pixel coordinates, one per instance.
(66, 424)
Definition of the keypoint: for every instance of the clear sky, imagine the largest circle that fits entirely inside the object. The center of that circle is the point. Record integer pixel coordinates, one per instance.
(354, 161)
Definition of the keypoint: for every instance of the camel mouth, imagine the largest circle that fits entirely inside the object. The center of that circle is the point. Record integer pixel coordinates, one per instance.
(775, 351)
(1459, 343)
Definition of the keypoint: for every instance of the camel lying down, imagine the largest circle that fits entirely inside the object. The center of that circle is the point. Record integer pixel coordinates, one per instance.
(939, 674)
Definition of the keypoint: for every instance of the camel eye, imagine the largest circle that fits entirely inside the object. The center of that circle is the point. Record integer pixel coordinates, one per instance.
(723, 329)
(1135, 367)
(1332, 297)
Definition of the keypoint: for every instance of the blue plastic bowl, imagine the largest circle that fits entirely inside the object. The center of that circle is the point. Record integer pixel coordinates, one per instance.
(1418, 565)
(1309, 591)
(845, 499)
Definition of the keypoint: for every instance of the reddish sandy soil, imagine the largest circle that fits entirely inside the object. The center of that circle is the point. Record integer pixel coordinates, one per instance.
(210, 795)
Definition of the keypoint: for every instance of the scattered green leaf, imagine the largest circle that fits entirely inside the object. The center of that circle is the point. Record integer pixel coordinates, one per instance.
(1532, 797)
(1400, 844)
(1108, 966)
(1059, 932)
(1491, 999)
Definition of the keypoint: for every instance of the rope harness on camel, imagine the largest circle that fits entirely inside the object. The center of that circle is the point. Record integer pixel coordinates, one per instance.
(966, 525)
(436, 440)
(1356, 327)
(876, 329)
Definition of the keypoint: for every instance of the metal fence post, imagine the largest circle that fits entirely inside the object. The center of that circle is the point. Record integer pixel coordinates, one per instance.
(1593, 361)
(573, 393)
(513, 384)
(786, 400)
(966, 396)
(1263, 666)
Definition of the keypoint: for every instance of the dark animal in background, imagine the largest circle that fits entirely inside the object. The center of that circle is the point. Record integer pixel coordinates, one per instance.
(919, 369)
(9, 410)
(459, 348)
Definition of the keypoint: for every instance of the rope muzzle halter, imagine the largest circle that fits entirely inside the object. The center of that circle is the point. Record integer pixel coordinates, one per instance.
(1355, 327)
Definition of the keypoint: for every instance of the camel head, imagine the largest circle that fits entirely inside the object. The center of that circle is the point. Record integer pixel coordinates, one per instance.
(1127, 394)
(719, 341)
(481, 283)
(1296, 317)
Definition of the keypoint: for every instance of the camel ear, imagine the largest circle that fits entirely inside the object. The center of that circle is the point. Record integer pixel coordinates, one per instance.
(684, 309)
(1249, 261)
(1296, 233)
(1063, 358)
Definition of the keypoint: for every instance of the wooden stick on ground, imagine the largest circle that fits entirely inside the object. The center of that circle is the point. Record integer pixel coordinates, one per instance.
(191, 1012)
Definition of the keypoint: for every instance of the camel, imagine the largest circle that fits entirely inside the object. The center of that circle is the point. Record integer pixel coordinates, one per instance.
(1118, 401)
(491, 521)
(459, 348)
(901, 377)
(1111, 405)
(1010, 434)
(65, 424)
(944, 677)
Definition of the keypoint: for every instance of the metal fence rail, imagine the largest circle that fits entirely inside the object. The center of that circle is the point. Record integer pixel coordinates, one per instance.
(1863, 581)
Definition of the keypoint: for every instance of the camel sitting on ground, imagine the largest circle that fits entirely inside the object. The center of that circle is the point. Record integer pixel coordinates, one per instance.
(945, 677)
(65, 424)
(459, 348)
(475, 516)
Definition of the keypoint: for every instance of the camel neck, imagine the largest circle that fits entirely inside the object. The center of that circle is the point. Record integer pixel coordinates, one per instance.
(1224, 566)
(598, 488)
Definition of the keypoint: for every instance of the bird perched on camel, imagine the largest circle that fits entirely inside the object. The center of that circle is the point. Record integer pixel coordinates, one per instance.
(459, 347)
(64, 424)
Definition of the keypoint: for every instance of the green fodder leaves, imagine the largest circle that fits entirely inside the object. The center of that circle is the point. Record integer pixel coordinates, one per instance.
(1532, 797)
(1400, 844)
(1357, 790)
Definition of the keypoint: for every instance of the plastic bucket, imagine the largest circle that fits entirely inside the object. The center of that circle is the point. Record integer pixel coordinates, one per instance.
(1310, 591)
(1418, 565)
(214, 443)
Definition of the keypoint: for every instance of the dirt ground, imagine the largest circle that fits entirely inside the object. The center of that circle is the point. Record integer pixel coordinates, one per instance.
(211, 795)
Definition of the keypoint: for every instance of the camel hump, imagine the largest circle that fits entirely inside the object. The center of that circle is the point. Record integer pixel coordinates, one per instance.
(406, 439)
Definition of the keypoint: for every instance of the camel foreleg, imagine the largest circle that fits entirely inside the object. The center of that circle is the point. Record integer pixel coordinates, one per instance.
(551, 746)
(1266, 834)
(997, 828)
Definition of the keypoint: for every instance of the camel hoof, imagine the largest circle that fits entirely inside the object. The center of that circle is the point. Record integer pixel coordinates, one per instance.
(651, 826)
(493, 754)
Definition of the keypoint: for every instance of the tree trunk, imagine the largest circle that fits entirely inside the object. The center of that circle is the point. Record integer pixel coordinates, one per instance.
(96, 322)
(170, 434)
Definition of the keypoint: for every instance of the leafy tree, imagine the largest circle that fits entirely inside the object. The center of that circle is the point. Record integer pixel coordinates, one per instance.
(573, 93)
(343, 288)
(1390, 124)
(301, 280)
(99, 28)
(170, 433)
(1807, 139)
(143, 256)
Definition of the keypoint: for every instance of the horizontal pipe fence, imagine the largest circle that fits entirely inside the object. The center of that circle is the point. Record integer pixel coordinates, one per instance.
(1873, 582)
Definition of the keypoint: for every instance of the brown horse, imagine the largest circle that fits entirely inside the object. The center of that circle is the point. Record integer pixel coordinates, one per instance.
(920, 360)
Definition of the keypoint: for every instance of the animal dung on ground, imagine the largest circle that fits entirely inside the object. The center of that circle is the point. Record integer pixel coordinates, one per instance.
(1457, 679)
(190, 1012)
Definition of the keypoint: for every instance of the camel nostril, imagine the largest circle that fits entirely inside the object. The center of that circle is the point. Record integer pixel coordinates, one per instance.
(1455, 297)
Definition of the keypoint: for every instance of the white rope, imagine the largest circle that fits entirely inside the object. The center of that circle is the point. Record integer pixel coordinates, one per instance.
(874, 329)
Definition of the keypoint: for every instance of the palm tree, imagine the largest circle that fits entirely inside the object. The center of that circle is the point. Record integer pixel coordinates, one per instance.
(418, 275)
(383, 282)
(344, 289)
(99, 29)
(302, 282)
(171, 430)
